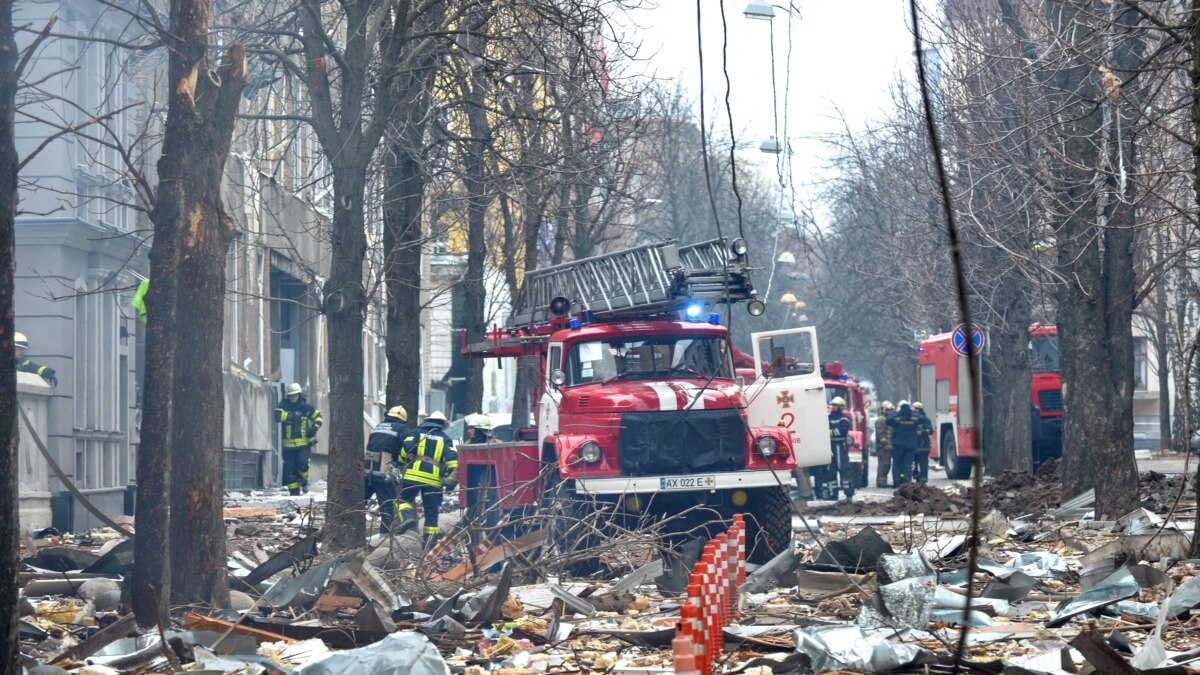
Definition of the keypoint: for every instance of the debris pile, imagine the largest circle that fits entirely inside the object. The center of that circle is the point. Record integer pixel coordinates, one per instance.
(1053, 590)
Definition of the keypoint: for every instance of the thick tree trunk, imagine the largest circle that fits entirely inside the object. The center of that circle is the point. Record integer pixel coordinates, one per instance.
(478, 200)
(345, 298)
(402, 245)
(9, 525)
(1162, 350)
(1007, 420)
(200, 120)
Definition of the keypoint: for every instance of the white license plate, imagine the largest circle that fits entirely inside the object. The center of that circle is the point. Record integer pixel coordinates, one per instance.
(687, 482)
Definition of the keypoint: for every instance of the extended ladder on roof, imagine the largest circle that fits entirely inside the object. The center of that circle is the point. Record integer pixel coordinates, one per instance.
(640, 281)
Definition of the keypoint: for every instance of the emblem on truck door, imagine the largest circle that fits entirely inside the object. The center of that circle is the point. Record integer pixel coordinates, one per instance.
(784, 399)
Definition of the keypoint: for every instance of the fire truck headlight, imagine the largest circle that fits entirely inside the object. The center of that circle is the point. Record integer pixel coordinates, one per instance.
(558, 378)
(590, 452)
(767, 446)
(756, 307)
(739, 247)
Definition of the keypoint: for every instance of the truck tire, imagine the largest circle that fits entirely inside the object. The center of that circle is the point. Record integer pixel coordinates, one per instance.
(768, 525)
(957, 468)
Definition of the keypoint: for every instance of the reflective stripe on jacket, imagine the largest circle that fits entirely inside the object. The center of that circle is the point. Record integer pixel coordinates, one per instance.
(430, 456)
(300, 421)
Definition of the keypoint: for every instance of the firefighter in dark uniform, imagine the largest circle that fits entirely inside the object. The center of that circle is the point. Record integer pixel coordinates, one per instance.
(924, 443)
(883, 443)
(837, 473)
(904, 425)
(430, 466)
(20, 345)
(300, 422)
(383, 449)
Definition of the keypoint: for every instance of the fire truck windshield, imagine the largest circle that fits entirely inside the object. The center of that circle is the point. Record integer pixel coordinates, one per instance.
(661, 356)
(1043, 353)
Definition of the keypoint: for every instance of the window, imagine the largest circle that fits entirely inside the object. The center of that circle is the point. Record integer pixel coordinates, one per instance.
(1140, 366)
(658, 357)
(1044, 353)
(100, 393)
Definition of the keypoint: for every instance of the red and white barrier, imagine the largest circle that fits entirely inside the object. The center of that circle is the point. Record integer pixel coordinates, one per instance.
(712, 601)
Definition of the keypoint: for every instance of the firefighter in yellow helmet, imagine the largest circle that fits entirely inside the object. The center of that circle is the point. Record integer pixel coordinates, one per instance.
(836, 476)
(300, 422)
(383, 452)
(20, 346)
(431, 466)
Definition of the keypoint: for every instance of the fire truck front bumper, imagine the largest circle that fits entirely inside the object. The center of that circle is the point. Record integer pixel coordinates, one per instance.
(711, 482)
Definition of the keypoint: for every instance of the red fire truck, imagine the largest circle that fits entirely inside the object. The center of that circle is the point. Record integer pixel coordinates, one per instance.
(637, 406)
(956, 434)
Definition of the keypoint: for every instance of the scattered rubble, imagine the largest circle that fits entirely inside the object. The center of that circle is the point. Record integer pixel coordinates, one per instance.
(1048, 595)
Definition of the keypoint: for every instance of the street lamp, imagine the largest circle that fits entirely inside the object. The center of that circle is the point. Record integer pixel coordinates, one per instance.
(756, 9)
(786, 257)
(771, 146)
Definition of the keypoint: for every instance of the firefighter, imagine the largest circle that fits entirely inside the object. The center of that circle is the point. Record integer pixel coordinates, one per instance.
(383, 450)
(837, 473)
(883, 443)
(300, 422)
(479, 429)
(20, 346)
(904, 425)
(431, 466)
(924, 442)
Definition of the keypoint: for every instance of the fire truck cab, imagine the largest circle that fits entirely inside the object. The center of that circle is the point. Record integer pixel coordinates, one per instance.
(636, 400)
(941, 385)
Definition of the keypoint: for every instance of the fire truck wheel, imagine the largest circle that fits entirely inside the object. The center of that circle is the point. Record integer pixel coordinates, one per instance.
(957, 468)
(769, 527)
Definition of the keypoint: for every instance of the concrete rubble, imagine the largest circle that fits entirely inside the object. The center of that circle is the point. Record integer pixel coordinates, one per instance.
(868, 587)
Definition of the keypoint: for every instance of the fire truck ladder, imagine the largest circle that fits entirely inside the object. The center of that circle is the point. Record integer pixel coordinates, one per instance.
(641, 281)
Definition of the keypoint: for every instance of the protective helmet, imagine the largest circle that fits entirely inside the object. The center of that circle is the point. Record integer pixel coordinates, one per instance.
(479, 421)
(294, 388)
(19, 340)
(901, 404)
(917, 405)
(398, 411)
(887, 405)
(438, 416)
(838, 401)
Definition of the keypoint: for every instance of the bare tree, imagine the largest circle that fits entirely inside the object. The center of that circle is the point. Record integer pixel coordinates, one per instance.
(176, 464)
(9, 523)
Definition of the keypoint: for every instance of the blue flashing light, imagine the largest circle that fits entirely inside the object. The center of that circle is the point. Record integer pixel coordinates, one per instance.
(693, 311)
(845, 377)
(576, 324)
(714, 318)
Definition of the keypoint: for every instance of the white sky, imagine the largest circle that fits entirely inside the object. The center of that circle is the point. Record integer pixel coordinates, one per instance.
(845, 55)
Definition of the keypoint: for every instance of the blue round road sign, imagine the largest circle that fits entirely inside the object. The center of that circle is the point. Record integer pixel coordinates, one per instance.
(959, 340)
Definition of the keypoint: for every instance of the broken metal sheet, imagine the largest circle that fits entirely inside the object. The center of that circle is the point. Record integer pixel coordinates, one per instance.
(944, 547)
(955, 616)
(1140, 521)
(641, 575)
(1120, 585)
(301, 591)
(859, 553)
(575, 603)
(120, 628)
(814, 580)
(285, 559)
(218, 643)
(484, 607)
(1076, 507)
(366, 578)
(833, 648)
(61, 559)
(1168, 544)
(442, 626)
(372, 617)
(1100, 655)
(1144, 610)
(119, 560)
(210, 662)
(769, 575)
(1012, 588)
(1038, 564)
(410, 653)
(1185, 598)
(946, 599)
(128, 653)
(1050, 662)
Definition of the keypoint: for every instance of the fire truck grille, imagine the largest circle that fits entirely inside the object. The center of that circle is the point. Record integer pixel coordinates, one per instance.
(676, 442)
(1050, 400)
